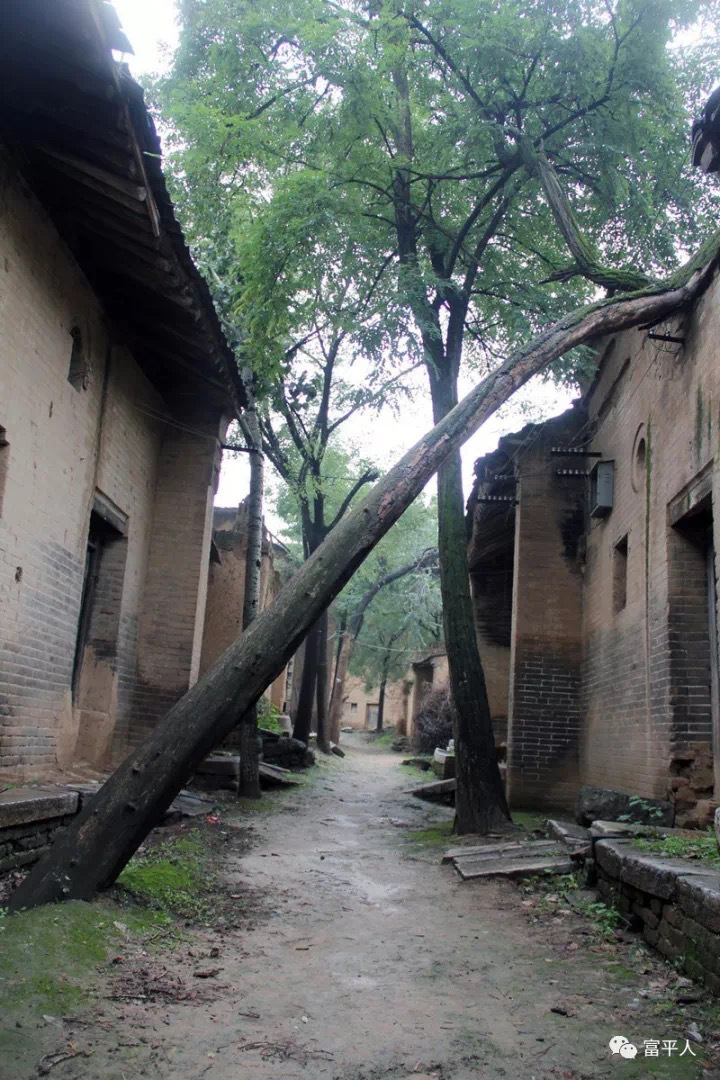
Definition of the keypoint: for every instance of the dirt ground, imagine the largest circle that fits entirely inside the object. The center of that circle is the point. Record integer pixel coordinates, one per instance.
(358, 956)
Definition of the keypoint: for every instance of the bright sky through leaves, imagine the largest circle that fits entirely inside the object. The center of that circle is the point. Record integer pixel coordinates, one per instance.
(151, 28)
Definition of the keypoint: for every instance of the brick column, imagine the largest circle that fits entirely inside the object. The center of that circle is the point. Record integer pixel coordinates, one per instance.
(544, 718)
(173, 611)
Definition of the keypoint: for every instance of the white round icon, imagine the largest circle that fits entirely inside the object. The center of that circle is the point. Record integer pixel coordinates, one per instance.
(628, 1050)
(616, 1042)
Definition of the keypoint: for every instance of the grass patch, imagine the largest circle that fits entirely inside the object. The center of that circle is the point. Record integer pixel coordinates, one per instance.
(437, 835)
(414, 773)
(386, 739)
(530, 820)
(48, 954)
(175, 876)
(702, 847)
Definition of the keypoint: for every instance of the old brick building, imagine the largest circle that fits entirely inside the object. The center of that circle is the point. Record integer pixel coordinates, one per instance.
(594, 576)
(116, 385)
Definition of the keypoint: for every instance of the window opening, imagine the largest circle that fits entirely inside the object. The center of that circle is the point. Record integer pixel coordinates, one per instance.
(620, 570)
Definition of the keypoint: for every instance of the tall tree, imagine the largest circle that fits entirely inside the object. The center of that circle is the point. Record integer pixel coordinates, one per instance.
(93, 849)
(249, 779)
(421, 123)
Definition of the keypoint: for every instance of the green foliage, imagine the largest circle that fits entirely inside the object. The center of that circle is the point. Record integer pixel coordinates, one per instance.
(702, 846)
(305, 128)
(267, 715)
(642, 806)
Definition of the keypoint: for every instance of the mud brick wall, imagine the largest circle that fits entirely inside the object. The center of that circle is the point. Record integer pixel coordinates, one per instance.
(676, 907)
(62, 445)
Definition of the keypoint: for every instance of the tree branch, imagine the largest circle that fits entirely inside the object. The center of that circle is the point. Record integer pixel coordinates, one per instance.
(368, 477)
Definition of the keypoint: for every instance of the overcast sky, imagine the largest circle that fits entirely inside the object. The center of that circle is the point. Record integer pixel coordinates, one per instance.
(151, 28)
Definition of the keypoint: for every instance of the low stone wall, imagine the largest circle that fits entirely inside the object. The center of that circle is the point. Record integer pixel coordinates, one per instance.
(29, 821)
(676, 906)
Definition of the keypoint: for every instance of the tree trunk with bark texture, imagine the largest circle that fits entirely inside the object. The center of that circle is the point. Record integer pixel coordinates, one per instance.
(322, 684)
(308, 683)
(96, 845)
(381, 699)
(249, 778)
(480, 802)
(342, 659)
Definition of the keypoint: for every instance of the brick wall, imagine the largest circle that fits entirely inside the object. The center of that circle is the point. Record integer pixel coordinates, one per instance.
(65, 447)
(647, 664)
(544, 716)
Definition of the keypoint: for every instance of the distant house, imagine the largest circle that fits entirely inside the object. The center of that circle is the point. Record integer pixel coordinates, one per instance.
(594, 570)
(116, 386)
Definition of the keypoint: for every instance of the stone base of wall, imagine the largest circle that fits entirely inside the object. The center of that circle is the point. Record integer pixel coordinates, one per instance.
(691, 785)
(30, 818)
(676, 908)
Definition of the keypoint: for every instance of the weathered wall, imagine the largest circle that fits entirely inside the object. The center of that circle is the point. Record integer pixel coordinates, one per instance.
(226, 591)
(544, 712)
(525, 523)
(396, 703)
(647, 666)
(429, 673)
(66, 447)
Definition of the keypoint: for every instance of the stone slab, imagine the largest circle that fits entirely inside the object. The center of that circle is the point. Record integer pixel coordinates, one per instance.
(219, 765)
(494, 851)
(19, 806)
(613, 829)
(571, 834)
(443, 764)
(470, 869)
(649, 873)
(441, 789)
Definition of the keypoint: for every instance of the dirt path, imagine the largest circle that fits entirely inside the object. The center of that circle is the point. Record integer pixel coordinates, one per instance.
(369, 959)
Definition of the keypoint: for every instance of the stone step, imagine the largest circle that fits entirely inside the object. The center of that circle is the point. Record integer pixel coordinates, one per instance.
(470, 869)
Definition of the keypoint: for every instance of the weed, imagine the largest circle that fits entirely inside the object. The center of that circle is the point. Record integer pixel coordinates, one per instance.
(703, 847)
(641, 806)
(605, 918)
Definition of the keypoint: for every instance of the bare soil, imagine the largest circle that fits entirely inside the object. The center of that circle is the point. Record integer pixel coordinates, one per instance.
(358, 956)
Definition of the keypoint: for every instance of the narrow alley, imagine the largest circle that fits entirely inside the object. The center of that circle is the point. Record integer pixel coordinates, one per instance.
(358, 956)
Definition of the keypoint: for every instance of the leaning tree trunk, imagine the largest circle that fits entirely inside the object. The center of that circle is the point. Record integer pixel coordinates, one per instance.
(249, 778)
(480, 802)
(96, 845)
(322, 684)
